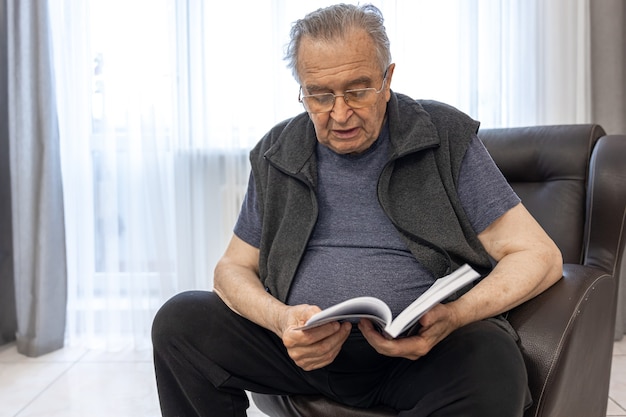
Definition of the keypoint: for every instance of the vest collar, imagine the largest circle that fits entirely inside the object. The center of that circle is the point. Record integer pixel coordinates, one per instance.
(411, 128)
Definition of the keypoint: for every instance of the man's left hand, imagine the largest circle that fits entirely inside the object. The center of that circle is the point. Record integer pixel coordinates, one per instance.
(436, 324)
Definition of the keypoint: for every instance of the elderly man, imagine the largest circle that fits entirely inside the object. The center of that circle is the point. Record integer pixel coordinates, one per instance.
(366, 193)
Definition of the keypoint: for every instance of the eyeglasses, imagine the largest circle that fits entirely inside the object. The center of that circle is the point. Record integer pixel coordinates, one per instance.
(356, 99)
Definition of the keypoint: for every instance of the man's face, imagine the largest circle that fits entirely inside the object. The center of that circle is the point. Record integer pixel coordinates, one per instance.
(337, 66)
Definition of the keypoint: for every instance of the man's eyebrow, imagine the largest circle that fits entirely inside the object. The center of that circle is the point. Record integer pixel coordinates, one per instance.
(316, 89)
(359, 81)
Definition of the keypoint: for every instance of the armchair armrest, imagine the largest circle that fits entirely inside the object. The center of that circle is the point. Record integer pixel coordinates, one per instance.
(605, 231)
(606, 202)
(567, 341)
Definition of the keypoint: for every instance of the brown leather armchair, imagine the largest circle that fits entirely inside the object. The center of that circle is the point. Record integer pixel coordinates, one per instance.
(572, 178)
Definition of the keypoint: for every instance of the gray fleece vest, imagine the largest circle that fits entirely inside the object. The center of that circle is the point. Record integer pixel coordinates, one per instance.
(416, 189)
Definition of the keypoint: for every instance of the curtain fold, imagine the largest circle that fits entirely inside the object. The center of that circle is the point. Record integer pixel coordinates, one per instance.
(36, 186)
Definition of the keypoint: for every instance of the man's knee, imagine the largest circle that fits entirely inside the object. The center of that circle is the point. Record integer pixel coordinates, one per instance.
(180, 314)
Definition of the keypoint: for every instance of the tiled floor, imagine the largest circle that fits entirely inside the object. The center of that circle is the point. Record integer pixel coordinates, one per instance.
(80, 383)
(617, 390)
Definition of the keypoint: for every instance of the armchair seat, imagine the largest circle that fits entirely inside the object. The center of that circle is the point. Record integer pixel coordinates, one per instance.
(572, 179)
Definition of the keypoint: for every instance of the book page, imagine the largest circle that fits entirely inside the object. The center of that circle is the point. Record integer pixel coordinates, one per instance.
(361, 307)
(439, 291)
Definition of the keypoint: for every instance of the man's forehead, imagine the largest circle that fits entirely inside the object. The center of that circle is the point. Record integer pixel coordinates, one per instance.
(350, 58)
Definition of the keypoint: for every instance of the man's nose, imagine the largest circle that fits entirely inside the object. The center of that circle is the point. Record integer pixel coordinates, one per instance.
(340, 111)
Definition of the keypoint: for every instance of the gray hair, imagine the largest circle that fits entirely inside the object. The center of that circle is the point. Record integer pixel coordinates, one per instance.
(334, 22)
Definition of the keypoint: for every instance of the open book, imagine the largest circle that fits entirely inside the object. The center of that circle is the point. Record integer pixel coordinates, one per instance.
(379, 313)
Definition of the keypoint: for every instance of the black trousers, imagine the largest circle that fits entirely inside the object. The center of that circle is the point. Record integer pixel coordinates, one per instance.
(206, 356)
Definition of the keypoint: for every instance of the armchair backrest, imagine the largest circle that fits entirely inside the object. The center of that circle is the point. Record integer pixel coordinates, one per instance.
(548, 167)
(565, 180)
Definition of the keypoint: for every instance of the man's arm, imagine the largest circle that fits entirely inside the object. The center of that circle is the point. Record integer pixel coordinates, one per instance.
(529, 262)
(237, 283)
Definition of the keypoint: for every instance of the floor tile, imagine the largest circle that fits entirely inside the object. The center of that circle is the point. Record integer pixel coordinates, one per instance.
(619, 347)
(9, 354)
(127, 355)
(99, 390)
(614, 409)
(617, 387)
(21, 383)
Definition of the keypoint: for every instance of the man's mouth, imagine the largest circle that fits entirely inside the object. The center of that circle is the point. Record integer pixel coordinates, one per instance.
(346, 133)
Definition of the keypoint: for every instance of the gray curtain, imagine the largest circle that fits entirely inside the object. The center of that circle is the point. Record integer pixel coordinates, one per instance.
(608, 91)
(608, 64)
(8, 322)
(39, 260)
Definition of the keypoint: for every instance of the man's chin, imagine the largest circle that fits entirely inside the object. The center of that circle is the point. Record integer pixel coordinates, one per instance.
(346, 147)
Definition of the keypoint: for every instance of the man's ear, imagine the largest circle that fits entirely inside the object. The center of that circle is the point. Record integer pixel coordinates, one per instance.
(392, 66)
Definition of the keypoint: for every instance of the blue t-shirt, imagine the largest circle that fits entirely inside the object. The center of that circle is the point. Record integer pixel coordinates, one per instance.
(354, 249)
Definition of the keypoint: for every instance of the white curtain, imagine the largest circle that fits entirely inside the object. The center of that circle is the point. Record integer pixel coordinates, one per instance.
(506, 62)
(160, 100)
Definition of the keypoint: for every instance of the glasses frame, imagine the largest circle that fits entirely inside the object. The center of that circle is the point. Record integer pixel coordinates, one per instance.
(301, 97)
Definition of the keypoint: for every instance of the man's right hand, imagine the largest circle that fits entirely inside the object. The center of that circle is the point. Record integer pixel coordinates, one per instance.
(237, 283)
(312, 348)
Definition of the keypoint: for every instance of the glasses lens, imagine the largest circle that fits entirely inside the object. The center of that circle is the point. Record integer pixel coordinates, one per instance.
(357, 99)
(319, 103)
(362, 97)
